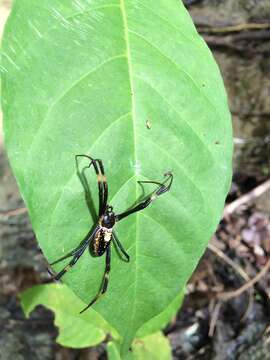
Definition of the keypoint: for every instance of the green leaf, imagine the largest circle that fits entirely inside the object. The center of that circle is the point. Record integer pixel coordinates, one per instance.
(75, 330)
(86, 76)
(161, 320)
(112, 351)
(152, 347)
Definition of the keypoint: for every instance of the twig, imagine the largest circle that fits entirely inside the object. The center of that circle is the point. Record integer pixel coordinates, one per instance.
(255, 193)
(214, 319)
(242, 273)
(231, 294)
(229, 261)
(235, 42)
(247, 198)
(13, 212)
(234, 28)
(251, 114)
(249, 307)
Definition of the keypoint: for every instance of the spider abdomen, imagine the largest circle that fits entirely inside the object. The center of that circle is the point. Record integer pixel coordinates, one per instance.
(101, 241)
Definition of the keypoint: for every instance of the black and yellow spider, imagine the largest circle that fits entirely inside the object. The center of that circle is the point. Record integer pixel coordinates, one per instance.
(99, 240)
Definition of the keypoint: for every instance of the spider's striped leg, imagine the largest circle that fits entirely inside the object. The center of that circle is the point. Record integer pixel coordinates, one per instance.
(105, 280)
(102, 182)
(71, 253)
(88, 237)
(120, 247)
(142, 205)
(70, 264)
(77, 253)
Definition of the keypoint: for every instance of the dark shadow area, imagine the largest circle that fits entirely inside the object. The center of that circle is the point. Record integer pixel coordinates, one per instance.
(159, 189)
(119, 253)
(143, 196)
(78, 251)
(87, 193)
(90, 205)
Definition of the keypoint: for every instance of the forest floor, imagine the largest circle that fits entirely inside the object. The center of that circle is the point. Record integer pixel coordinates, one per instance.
(226, 310)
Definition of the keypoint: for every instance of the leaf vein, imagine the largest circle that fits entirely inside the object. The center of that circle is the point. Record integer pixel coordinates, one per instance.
(86, 11)
(177, 112)
(186, 175)
(63, 94)
(170, 24)
(126, 35)
(119, 190)
(177, 67)
(146, 215)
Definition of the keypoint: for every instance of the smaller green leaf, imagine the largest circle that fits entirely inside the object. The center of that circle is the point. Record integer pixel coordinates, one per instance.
(160, 321)
(112, 351)
(75, 330)
(152, 347)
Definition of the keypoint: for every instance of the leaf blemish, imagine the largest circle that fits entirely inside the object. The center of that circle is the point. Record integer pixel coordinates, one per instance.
(148, 124)
(137, 166)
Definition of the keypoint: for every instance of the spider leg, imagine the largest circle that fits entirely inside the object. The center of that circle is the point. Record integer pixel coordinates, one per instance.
(76, 253)
(105, 280)
(103, 179)
(102, 182)
(120, 247)
(163, 187)
(149, 182)
(70, 264)
(71, 253)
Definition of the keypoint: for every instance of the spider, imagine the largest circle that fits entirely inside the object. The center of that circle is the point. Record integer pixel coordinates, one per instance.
(100, 238)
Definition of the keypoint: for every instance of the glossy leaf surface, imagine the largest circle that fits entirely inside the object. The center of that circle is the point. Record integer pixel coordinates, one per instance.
(130, 82)
(161, 320)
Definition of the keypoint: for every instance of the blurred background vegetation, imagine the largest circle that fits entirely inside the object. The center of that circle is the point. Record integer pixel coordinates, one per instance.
(217, 321)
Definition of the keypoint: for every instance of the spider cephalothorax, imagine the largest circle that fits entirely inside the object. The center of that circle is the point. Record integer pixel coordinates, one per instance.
(108, 219)
(99, 240)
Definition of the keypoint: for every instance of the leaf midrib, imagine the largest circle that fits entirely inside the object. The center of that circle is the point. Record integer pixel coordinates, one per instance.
(129, 63)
